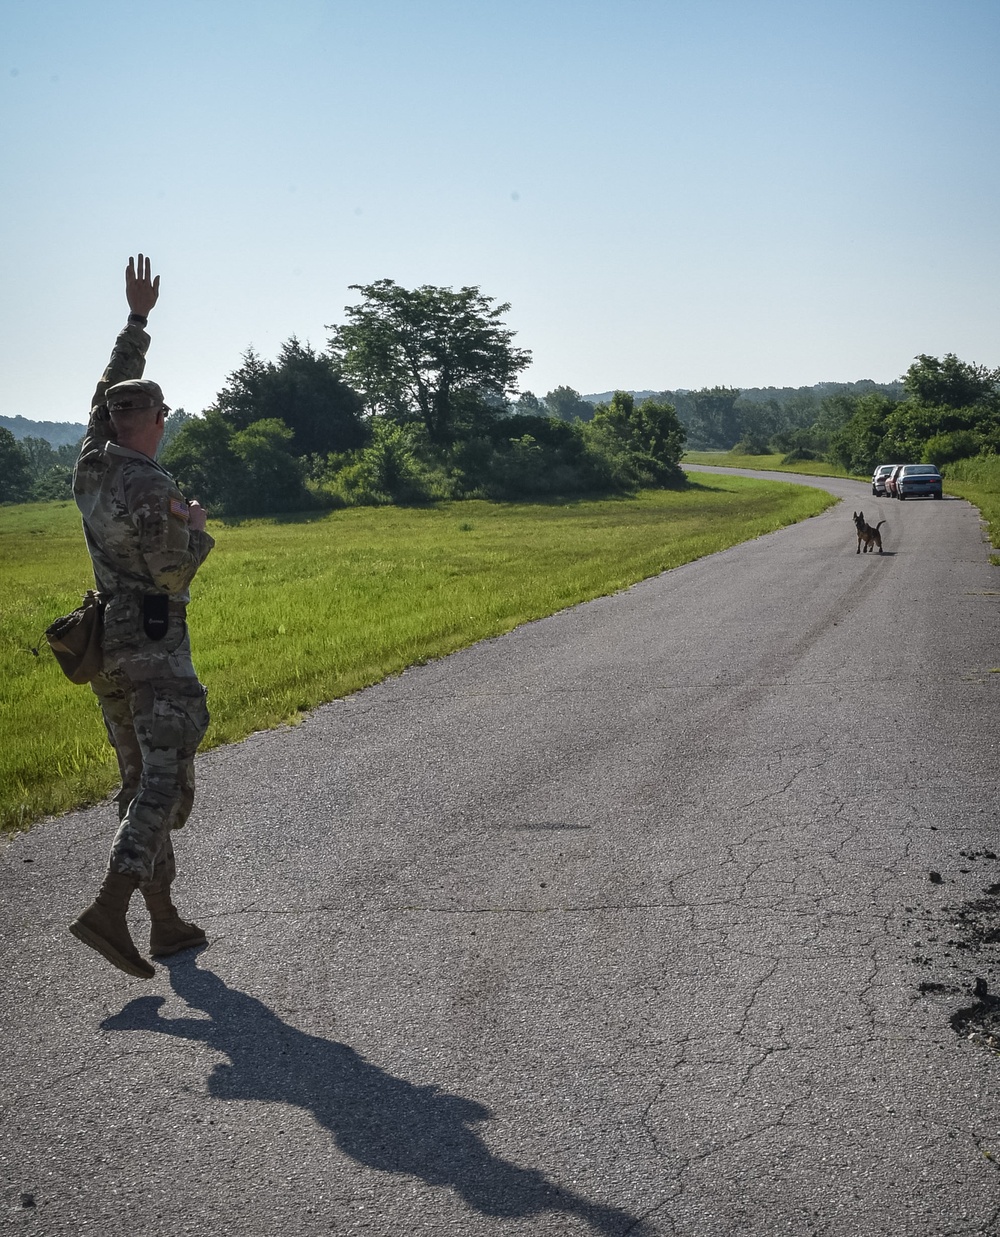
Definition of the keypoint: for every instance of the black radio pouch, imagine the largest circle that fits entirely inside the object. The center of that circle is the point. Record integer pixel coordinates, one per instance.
(155, 615)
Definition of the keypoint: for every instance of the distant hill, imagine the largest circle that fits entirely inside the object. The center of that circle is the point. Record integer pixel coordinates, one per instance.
(605, 396)
(57, 433)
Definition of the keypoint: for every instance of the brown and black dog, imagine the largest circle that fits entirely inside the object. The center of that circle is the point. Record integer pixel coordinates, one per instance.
(870, 536)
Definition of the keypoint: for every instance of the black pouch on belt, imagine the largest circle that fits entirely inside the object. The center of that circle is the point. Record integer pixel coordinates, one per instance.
(155, 615)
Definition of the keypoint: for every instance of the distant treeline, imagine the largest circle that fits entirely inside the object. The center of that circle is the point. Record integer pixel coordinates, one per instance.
(35, 467)
(717, 418)
(941, 410)
(415, 399)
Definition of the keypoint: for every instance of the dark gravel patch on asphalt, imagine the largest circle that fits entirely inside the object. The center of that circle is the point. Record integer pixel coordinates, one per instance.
(967, 937)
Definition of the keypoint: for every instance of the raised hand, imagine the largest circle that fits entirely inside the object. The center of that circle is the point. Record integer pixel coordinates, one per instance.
(140, 291)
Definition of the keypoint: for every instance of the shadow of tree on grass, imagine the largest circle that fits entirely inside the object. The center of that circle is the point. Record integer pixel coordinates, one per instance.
(377, 1119)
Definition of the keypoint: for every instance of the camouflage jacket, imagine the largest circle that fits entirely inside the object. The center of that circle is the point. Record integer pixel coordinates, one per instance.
(134, 516)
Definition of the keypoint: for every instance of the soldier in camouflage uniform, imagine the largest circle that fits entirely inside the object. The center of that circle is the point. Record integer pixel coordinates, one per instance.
(146, 542)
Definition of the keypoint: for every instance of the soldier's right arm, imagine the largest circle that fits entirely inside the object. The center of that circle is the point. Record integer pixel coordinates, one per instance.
(128, 360)
(128, 357)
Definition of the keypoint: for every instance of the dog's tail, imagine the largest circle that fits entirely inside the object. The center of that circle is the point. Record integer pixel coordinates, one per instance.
(879, 525)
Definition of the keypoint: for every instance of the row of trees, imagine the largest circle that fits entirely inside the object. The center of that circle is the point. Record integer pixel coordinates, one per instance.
(941, 410)
(949, 410)
(415, 398)
(769, 418)
(32, 470)
(412, 401)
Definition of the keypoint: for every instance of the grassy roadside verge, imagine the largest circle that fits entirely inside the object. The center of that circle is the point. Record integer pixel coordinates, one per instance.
(290, 614)
(978, 481)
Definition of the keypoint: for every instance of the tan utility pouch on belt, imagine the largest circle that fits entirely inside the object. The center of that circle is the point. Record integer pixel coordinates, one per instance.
(75, 639)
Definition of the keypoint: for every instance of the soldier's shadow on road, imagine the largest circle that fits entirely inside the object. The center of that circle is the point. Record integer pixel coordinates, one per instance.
(377, 1119)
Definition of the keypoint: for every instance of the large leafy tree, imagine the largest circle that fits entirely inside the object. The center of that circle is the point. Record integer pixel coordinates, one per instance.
(433, 355)
(175, 423)
(303, 389)
(949, 383)
(866, 438)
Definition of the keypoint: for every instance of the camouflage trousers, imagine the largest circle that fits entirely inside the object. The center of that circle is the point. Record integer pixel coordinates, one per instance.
(155, 713)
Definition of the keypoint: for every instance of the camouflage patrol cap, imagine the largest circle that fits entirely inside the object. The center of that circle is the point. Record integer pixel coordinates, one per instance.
(134, 395)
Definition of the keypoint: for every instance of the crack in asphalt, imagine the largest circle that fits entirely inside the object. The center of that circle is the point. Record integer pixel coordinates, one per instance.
(754, 994)
(783, 790)
(766, 1054)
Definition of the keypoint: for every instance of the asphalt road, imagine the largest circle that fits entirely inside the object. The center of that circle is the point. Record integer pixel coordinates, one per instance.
(659, 916)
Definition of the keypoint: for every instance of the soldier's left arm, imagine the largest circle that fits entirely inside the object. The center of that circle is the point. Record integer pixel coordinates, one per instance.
(172, 550)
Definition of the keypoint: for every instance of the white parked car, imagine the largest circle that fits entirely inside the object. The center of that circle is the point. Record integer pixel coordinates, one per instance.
(878, 479)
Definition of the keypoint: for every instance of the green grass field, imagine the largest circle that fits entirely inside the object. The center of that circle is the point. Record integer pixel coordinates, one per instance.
(773, 463)
(288, 614)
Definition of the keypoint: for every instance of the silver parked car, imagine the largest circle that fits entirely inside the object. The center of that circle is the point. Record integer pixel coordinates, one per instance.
(918, 481)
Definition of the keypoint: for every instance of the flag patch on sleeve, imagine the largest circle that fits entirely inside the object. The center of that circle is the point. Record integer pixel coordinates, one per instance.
(179, 508)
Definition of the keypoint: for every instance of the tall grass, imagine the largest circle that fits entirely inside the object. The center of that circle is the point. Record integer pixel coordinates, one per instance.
(978, 481)
(290, 613)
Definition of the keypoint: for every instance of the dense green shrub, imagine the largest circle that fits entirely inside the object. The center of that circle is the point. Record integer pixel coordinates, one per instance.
(641, 445)
(752, 444)
(55, 483)
(387, 471)
(249, 471)
(956, 445)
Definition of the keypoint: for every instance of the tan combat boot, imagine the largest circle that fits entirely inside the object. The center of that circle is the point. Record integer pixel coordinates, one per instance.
(102, 926)
(168, 933)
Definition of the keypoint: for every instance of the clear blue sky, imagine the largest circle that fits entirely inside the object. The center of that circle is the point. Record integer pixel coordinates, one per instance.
(670, 193)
